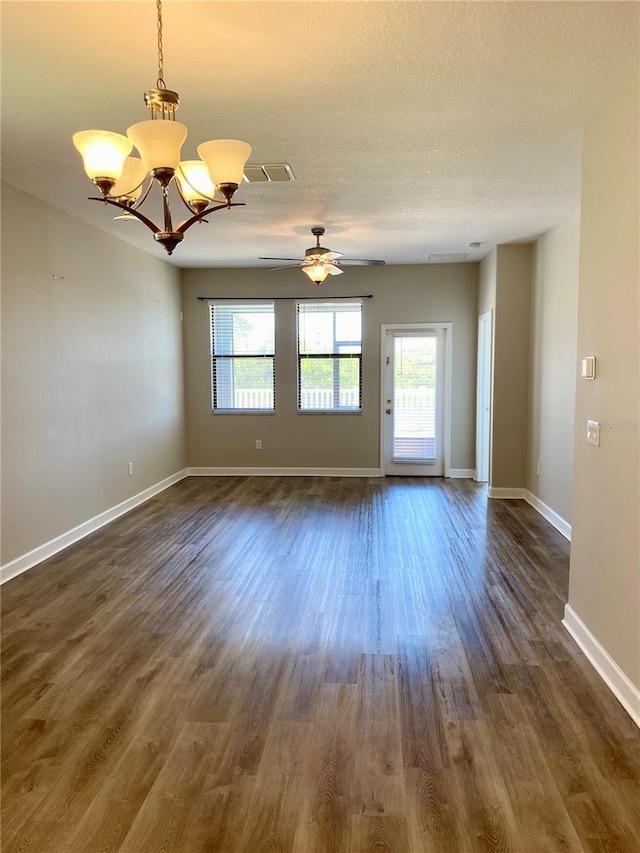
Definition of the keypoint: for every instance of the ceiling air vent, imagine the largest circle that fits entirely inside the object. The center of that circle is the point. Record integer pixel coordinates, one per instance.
(448, 259)
(269, 172)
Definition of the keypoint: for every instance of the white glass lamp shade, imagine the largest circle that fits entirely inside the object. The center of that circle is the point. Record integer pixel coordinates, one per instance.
(195, 181)
(103, 152)
(317, 272)
(225, 159)
(159, 142)
(130, 184)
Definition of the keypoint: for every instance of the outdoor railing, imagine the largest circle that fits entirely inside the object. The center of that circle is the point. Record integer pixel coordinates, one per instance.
(414, 410)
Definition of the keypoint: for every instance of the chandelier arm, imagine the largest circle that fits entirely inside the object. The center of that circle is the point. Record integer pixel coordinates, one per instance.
(208, 197)
(145, 195)
(182, 228)
(145, 220)
(195, 189)
(182, 198)
(166, 210)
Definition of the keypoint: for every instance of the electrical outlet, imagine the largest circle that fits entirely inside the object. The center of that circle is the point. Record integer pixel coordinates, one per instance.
(593, 433)
(130, 468)
(258, 444)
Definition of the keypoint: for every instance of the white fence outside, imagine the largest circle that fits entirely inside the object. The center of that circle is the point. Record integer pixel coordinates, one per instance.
(313, 398)
(415, 413)
(253, 398)
(414, 410)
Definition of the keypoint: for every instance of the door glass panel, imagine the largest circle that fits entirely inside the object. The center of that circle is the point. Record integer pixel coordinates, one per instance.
(414, 398)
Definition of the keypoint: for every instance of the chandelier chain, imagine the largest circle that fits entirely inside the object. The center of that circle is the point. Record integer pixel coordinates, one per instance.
(160, 81)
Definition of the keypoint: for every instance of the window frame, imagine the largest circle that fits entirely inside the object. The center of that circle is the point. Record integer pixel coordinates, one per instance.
(215, 358)
(336, 356)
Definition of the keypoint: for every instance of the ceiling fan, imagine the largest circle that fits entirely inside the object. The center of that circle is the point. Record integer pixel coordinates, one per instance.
(319, 262)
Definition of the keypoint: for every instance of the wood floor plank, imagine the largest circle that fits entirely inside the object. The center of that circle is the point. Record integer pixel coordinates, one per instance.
(543, 820)
(165, 822)
(379, 834)
(433, 820)
(325, 817)
(309, 665)
(106, 822)
(379, 780)
(423, 741)
(477, 783)
(276, 797)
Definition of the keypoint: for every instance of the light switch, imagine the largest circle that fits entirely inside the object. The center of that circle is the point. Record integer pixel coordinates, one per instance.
(593, 433)
(588, 367)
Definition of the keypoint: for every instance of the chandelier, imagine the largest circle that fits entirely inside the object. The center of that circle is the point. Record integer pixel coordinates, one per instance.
(126, 181)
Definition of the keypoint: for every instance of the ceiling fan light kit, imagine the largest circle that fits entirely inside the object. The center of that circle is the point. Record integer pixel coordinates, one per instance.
(320, 262)
(121, 178)
(319, 271)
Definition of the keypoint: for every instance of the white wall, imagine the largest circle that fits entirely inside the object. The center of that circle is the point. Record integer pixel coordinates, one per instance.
(604, 589)
(554, 329)
(91, 373)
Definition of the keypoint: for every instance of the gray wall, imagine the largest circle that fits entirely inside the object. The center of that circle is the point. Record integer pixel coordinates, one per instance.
(511, 367)
(604, 587)
(505, 289)
(91, 373)
(554, 330)
(404, 294)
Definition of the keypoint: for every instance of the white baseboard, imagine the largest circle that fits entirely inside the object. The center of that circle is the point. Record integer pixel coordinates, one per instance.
(616, 680)
(283, 472)
(454, 473)
(551, 515)
(545, 511)
(43, 552)
(506, 494)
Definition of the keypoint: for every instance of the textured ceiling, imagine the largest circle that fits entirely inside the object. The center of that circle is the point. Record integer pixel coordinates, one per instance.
(412, 128)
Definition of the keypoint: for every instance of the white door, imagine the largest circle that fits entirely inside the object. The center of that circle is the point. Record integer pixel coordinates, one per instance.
(483, 397)
(413, 401)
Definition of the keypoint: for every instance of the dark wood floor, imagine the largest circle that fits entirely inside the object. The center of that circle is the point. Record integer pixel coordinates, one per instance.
(310, 665)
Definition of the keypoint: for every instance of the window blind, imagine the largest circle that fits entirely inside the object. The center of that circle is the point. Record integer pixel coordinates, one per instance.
(329, 356)
(242, 357)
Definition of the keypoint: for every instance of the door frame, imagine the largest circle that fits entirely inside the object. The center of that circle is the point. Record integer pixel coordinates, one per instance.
(447, 328)
(483, 396)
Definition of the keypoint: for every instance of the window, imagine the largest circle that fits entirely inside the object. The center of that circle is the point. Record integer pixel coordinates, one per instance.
(329, 357)
(242, 357)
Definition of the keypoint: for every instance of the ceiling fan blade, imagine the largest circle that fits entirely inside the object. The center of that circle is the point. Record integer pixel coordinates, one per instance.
(331, 256)
(363, 261)
(280, 259)
(335, 270)
(285, 267)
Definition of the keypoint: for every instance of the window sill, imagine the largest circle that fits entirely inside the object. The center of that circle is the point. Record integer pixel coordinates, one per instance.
(329, 411)
(243, 412)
